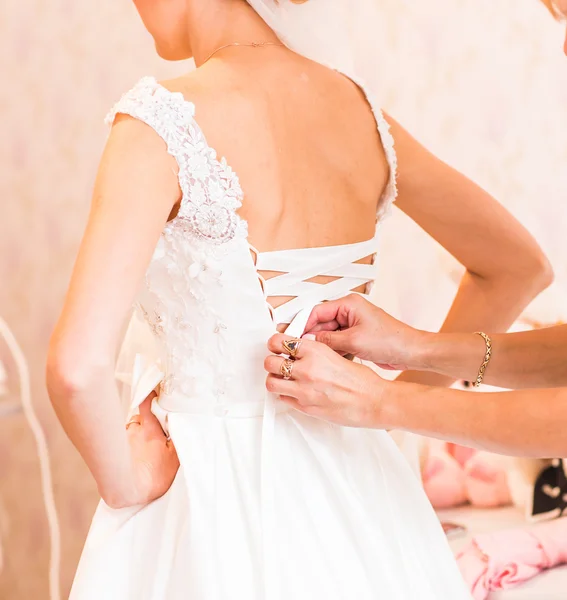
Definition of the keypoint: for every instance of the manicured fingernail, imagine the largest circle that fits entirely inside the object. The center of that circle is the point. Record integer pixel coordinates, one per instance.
(309, 336)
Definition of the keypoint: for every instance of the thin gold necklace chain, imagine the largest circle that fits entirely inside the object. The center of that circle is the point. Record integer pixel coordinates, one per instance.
(249, 44)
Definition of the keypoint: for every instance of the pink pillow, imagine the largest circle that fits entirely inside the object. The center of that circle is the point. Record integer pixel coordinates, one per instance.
(486, 481)
(443, 480)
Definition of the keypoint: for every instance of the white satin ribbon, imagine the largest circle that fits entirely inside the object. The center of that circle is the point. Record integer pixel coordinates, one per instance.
(268, 466)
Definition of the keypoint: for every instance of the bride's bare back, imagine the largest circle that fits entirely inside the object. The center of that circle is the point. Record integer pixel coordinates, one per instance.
(303, 140)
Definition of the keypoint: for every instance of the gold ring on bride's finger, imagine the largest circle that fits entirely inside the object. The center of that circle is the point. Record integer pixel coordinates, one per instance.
(292, 346)
(135, 420)
(286, 368)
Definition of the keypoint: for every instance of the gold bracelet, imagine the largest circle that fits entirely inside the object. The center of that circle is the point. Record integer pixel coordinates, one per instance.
(487, 357)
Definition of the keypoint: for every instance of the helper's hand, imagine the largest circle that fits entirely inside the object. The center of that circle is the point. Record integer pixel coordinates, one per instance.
(325, 385)
(353, 325)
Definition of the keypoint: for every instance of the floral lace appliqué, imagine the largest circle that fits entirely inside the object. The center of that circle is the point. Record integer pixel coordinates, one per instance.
(211, 192)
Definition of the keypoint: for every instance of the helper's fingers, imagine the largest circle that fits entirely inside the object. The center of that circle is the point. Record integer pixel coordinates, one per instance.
(328, 326)
(324, 313)
(341, 342)
(295, 404)
(276, 345)
(291, 392)
(276, 385)
(273, 365)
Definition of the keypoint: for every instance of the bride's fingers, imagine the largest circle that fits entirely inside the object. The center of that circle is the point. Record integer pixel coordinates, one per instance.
(146, 407)
(171, 450)
(150, 425)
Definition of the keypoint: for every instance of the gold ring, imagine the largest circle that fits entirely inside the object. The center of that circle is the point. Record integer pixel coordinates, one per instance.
(286, 368)
(292, 346)
(135, 420)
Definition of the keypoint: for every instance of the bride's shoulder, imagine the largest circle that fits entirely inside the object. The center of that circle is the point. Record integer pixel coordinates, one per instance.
(190, 83)
(216, 95)
(207, 86)
(210, 98)
(144, 87)
(150, 99)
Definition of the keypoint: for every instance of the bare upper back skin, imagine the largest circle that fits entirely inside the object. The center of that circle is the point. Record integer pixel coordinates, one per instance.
(303, 141)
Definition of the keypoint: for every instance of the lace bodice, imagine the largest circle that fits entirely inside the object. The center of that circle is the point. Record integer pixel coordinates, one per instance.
(202, 296)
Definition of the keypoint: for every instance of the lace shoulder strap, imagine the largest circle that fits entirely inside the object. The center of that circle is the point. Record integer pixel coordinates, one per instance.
(391, 191)
(211, 193)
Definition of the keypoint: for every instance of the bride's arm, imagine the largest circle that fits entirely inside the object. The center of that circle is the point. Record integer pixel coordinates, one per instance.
(135, 191)
(505, 267)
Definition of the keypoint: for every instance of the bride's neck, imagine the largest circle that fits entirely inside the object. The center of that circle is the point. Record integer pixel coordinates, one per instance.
(223, 22)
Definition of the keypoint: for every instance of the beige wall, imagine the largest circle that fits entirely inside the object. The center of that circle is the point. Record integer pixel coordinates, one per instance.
(483, 84)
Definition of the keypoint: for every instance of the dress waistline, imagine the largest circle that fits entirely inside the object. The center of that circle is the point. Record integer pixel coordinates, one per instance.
(177, 403)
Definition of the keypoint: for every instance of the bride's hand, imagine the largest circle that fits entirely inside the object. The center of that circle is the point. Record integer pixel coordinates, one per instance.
(153, 456)
(325, 385)
(353, 325)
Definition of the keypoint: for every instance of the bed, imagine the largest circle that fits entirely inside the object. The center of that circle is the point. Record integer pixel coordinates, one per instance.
(550, 585)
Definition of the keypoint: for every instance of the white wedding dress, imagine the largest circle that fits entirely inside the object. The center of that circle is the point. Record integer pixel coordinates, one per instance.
(268, 504)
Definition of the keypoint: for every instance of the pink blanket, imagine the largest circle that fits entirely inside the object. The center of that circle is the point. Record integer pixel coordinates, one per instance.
(502, 560)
